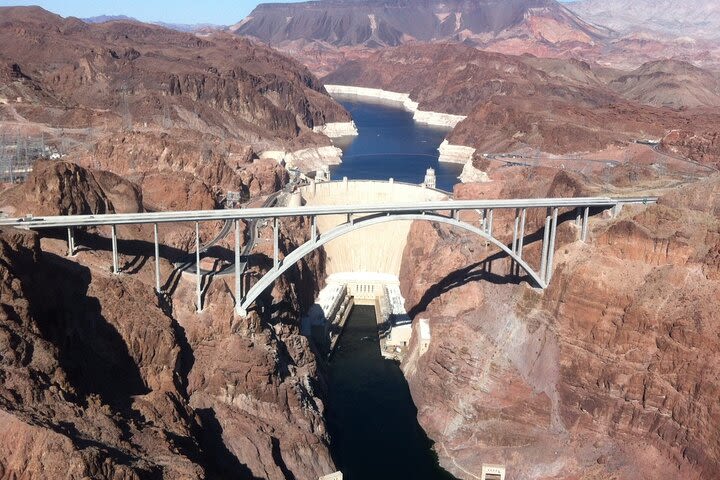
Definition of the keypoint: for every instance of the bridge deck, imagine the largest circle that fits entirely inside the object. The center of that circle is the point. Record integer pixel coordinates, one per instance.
(271, 212)
(358, 216)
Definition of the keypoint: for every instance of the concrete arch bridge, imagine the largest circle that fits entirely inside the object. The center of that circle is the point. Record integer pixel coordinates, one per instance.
(356, 217)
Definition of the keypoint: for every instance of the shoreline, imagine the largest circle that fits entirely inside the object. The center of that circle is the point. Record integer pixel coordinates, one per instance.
(455, 153)
(437, 119)
(448, 153)
(337, 129)
(306, 160)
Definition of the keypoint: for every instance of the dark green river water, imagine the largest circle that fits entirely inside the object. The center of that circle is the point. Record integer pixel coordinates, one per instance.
(372, 419)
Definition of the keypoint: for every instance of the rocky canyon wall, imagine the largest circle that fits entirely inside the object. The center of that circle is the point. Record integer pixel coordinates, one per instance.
(612, 372)
(104, 379)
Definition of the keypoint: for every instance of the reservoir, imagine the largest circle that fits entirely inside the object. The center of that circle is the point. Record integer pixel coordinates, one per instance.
(390, 144)
(371, 416)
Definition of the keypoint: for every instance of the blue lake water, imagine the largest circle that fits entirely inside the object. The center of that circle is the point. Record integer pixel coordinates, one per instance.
(391, 144)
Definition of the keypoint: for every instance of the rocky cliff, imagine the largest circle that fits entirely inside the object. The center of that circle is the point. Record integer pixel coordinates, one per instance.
(389, 23)
(102, 378)
(609, 373)
(133, 98)
(326, 33)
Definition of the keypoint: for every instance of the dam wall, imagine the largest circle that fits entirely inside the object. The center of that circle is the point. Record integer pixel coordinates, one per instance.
(377, 248)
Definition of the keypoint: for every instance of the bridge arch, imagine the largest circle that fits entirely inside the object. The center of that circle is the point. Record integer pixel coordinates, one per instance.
(375, 219)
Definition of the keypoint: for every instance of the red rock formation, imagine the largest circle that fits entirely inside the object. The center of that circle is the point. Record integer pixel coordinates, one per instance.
(132, 98)
(609, 373)
(101, 378)
(64, 188)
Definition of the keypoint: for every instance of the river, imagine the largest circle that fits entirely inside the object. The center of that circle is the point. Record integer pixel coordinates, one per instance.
(390, 144)
(371, 416)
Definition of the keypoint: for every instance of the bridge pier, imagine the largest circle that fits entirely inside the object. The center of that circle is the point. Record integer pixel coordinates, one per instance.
(545, 244)
(198, 278)
(516, 231)
(71, 242)
(313, 229)
(276, 260)
(238, 273)
(113, 234)
(551, 247)
(586, 214)
(521, 239)
(516, 227)
(157, 259)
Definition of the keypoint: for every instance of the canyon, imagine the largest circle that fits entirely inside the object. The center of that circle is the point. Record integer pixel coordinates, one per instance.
(607, 374)
(101, 377)
(610, 372)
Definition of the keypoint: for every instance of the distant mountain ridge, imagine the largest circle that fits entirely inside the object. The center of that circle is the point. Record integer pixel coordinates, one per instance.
(376, 23)
(180, 27)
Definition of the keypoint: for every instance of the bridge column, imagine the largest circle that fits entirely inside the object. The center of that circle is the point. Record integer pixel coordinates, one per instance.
(551, 247)
(546, 240)
(515, 230)
(157, 259)
(313, 229)
(521, 237)
(198, 278)
(71, 242)
(578, 217)
(113, 234)
(238, 273)
(490, 222)
(275, 243)
(583, 235)
(483, 221)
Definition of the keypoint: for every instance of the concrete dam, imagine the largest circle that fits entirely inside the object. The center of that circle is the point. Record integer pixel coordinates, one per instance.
(363, 266)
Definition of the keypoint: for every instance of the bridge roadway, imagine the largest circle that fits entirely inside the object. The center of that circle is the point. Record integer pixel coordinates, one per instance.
(358, 216)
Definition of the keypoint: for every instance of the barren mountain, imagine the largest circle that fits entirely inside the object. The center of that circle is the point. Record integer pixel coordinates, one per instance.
(670, 84)
(392, 22)
(688, 18)
(203, 105)
(323, 34)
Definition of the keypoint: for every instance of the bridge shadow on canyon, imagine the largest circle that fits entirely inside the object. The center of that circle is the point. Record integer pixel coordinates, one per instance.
(486, 270)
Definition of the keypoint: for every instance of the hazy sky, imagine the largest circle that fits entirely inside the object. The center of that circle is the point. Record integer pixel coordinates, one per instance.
(219, 12)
